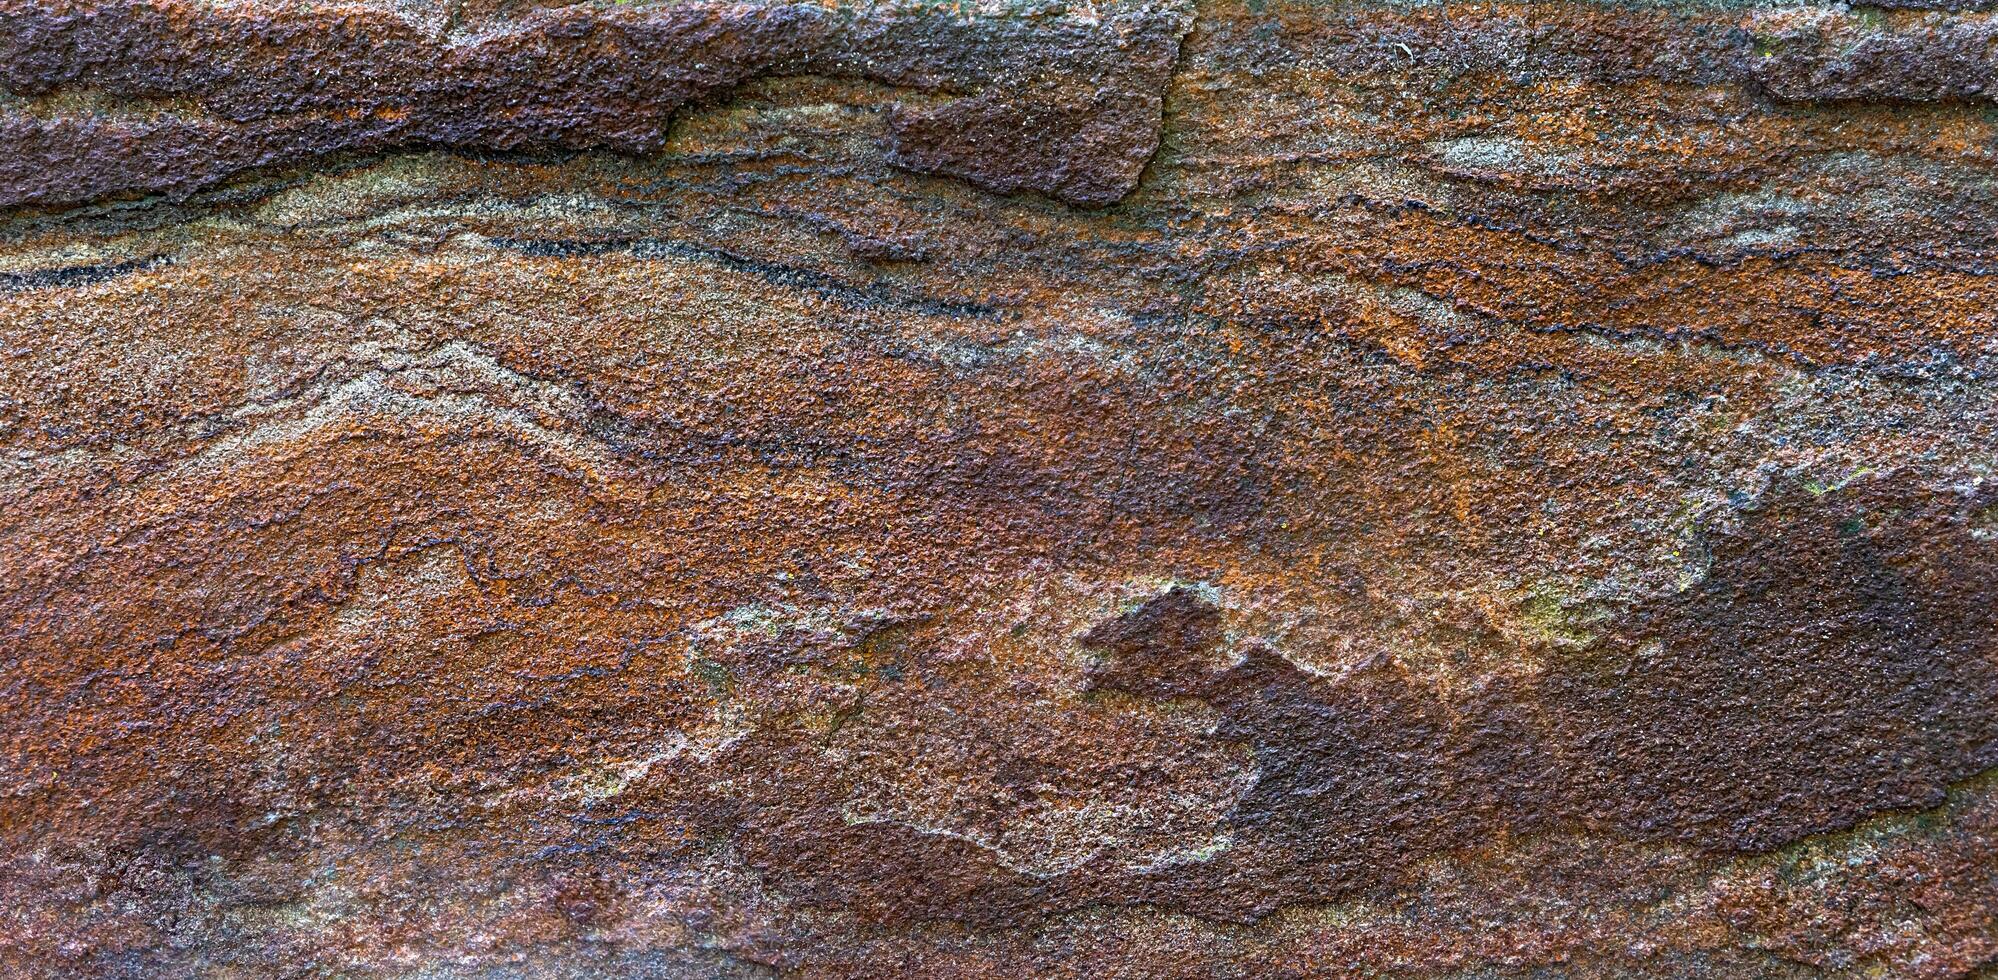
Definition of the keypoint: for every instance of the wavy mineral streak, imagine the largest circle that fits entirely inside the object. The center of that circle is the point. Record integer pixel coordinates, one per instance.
(1067, 106)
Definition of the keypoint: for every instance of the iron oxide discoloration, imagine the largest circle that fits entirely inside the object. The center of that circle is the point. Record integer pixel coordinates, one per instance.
(1263, 489)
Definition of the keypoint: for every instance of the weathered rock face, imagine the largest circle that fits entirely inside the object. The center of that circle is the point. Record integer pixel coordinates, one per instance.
(740, 489)
(1067, 105)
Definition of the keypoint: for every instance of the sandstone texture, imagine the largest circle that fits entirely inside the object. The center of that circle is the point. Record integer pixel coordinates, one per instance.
(1150, 489)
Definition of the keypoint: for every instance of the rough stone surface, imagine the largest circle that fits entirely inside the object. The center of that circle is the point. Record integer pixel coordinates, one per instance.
(498, 488)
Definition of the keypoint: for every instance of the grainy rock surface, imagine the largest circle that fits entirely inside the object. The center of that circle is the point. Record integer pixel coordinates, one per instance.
(494, 488)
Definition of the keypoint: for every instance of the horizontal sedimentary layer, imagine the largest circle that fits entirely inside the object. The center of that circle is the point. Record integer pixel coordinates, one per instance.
(1067, 106)
(180, 95)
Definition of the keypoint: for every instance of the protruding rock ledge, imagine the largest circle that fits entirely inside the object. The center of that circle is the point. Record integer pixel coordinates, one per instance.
(1067, 105)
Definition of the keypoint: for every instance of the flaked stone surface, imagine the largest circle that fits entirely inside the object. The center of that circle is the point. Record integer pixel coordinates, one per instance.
(1267, 489)
(1066, 104)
